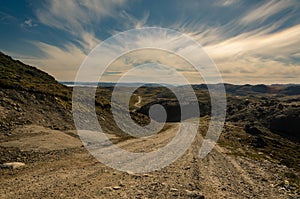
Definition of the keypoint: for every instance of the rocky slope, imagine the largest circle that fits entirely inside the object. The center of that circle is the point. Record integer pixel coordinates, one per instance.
(30, 96)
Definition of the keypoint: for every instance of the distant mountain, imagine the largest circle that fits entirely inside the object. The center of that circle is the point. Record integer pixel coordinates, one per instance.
(291, 90)
(110, 84)
(259, 89)
(242, 90)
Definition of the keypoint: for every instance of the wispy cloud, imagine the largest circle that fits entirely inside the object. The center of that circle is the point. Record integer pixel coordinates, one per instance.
(265, 53)
(78, 17)
(226, 3)
(281, 43)
(246, 47)
(62, 63)
(265, 10)
(6, 18)
(258, 55)
(28, 23)
(132, 22)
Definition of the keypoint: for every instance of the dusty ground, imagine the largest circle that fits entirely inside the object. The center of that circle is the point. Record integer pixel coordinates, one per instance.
(66, 170)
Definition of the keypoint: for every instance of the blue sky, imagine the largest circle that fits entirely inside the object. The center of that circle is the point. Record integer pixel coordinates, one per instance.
(250, 41)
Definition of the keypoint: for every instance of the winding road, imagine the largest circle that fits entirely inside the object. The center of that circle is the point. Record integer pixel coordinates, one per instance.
(138, 103)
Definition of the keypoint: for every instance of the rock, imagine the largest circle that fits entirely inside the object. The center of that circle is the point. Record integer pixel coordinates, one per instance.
(106, 190)
(130, 173)
(173, 109)
(286, 123)
(194, 194)
(121, 184)
(259, 142)
(173, 190)
(252, 130)
(116, 188)
(12, 165)
(286, 183)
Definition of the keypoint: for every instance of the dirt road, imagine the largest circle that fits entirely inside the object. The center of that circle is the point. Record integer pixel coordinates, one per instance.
(138, 103)
(74, 173)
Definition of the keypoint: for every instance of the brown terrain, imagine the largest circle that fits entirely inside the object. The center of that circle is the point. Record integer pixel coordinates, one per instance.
(257, 155)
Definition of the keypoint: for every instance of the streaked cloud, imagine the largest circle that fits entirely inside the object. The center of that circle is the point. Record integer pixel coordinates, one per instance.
(249, 41)
(265, 10)
(75, 15)
(282, 43)
(226, 2)
(78, 17)
(62, 63)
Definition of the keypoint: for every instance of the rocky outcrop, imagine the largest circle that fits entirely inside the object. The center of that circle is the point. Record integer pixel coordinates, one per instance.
(12, 165)
(288, 123)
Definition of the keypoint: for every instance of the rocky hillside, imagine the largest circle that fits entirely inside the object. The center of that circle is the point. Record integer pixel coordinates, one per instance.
(266, 122)
(30, 96)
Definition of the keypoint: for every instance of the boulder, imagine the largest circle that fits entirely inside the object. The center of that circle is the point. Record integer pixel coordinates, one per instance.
(252, 130)
(286, 123)
(12, 165)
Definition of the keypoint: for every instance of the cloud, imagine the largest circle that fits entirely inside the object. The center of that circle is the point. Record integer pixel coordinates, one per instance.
(62, 63)
(256, 70)
(132, 22)
(282, 43)
(247, 49)
(150, 44)
(78, 17)
(250, 54)
(226, 3)
(244, 58)
(88, 41)
(7, 18)
(266, 10)
(28, 23)
(75, 15)
(259, 56)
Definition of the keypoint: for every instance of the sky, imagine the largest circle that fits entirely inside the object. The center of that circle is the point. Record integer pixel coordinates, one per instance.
(249, 41)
